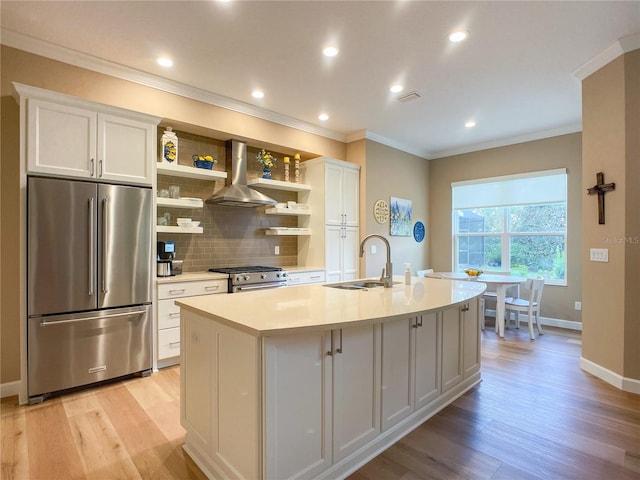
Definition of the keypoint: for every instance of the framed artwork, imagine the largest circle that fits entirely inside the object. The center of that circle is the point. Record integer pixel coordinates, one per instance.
(400, 217)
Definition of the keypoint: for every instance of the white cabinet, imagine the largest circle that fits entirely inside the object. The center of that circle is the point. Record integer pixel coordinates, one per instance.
(322, 401)
(451, 348)
(356, 386)
(70, 137)
(297, 405)
(410, 366)
(314, 403)
(342, 185)
(471, 338)
(168, 324)
(341, 259)
(334, 201)
(460, 343)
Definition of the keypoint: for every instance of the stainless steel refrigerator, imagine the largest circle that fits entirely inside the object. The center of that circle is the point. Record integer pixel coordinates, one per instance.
(89, 275)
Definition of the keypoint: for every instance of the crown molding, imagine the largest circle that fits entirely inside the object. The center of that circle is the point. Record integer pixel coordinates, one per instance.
(366, 134)
(620, 47)
(35, 46)
(528, 137)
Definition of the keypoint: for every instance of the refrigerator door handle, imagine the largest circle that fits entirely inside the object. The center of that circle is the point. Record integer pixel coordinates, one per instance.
(105, 239)
(91, 247)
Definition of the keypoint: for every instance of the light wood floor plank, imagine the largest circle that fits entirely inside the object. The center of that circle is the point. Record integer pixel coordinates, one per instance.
(15, 454)
(52, 452)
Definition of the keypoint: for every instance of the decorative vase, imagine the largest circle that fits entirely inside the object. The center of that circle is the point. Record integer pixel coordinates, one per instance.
(169, 147)
(266, 172)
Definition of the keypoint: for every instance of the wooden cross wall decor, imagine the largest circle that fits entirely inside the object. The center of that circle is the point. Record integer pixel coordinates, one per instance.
(600, 189)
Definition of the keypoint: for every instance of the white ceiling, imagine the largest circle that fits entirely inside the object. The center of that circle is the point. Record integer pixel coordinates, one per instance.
(514, 75)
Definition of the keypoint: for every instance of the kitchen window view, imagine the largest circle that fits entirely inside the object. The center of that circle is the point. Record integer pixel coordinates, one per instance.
(502, 233)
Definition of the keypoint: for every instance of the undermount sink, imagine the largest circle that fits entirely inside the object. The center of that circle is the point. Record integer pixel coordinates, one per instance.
(357, 285)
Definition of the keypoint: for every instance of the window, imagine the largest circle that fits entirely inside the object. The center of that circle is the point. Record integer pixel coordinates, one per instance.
(515, 223)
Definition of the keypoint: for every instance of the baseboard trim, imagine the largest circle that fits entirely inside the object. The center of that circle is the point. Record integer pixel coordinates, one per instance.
(10, 389)
(552, 322)
(631, 385)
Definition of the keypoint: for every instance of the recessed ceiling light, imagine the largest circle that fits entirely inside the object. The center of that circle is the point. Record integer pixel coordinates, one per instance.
(165, 62)
(323, 117)
(330, 51)
(470, 124)
(396, 88)
(458, 35)
(257, 94)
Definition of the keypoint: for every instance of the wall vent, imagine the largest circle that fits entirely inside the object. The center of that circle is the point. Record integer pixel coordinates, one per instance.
(409, 97)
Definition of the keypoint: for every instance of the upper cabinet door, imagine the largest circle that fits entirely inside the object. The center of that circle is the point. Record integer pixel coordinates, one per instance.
(334, 214)
(341, 192)
(61, 139)
(125, 150)
(350, 195)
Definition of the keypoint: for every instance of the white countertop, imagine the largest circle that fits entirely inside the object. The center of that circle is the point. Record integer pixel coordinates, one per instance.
(286, 310)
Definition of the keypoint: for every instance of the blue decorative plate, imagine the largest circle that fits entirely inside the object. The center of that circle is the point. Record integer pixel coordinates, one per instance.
(418, 231)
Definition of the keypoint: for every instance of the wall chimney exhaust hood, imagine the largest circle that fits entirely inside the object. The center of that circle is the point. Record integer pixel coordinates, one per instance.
(238, 194)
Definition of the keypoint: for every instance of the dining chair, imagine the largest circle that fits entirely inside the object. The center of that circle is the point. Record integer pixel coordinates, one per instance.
(529, 304)
(491, 295)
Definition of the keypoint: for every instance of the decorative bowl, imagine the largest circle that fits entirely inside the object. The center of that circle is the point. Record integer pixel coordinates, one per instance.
(195, 224)
(473, 272)
(203, 164)
(184, 222)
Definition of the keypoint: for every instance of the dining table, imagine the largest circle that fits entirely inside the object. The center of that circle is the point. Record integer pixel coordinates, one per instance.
(500, 282)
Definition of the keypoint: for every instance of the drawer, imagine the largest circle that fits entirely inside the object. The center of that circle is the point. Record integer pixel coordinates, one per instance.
(191, 289)
(303, 278)
(168, 314)
(168, 342)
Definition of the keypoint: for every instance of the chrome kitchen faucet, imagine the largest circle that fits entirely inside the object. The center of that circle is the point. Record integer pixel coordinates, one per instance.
(387, 272)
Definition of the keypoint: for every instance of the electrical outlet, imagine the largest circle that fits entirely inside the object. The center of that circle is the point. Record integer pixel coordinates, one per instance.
(578, 306)
(277, 250)
(599, 254)
(374, 249)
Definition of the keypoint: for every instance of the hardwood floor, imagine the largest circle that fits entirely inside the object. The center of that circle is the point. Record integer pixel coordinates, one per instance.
(535, 415)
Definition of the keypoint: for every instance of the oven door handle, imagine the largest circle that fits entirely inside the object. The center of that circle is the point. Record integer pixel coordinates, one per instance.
(245, 288)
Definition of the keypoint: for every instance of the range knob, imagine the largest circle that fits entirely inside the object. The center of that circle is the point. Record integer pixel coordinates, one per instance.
(247, 277)
(238, 278)
(263, 276)
(285, 274)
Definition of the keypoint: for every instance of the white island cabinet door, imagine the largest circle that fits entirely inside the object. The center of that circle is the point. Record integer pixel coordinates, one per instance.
(427, 376)
(356, 387)
(297, 395)
(451, 348)
(471, 334)
(397, 371)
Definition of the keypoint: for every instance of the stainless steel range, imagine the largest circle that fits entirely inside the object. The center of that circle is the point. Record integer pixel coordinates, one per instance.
(245, 279)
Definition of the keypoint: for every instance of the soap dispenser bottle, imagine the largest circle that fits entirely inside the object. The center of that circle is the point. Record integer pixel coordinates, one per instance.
(407, 274)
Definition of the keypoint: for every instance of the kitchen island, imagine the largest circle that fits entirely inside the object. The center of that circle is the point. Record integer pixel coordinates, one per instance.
(312, 382)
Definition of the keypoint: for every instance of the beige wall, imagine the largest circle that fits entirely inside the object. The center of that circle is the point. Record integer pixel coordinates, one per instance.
(611, 128)
(556, 152)
(390, 172)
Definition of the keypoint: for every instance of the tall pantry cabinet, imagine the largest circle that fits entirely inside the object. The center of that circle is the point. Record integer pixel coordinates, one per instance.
(334, 197)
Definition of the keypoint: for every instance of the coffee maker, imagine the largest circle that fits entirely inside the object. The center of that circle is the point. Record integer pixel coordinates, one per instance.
(168, 266)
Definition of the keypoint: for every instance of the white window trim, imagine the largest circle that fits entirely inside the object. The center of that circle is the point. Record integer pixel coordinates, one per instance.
(506, 234)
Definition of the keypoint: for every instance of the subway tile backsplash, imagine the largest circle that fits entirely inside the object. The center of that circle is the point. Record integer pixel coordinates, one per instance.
(232, 236)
